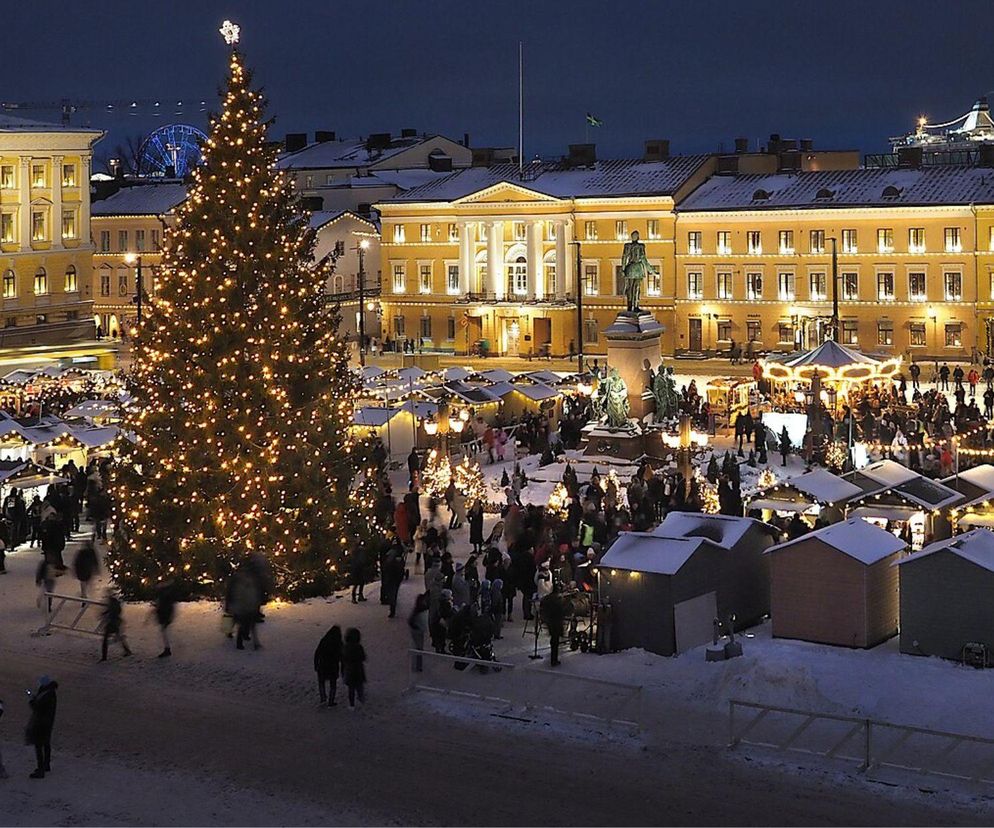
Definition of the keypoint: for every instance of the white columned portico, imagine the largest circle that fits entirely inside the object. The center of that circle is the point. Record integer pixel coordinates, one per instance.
(536, 290)
(562, 259)
(56, 227)
(495, 259)
(25, 198)
(466, 258)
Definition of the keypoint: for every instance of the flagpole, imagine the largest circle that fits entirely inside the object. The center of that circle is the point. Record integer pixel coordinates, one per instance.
(521, 108)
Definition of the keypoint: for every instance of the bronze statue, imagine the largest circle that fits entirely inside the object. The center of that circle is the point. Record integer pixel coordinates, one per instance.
(616, 400)
(635, 267)
(664, 392)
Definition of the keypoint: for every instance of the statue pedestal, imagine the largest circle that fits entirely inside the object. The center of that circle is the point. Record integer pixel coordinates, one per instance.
(597, 439)
(633, 348)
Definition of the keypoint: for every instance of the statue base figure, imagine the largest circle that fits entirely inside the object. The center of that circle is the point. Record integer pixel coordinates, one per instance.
(633, 347)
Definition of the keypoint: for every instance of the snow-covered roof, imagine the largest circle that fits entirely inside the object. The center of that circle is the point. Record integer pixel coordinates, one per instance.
(644, 552)
(143, 200)
(854, 537)
(888, 473)
(536, 391)
(371, 371)
(350, 152)
(456, 374)
(96, 437)
(412, 372)
(320, 218)
(401, 179)
(826, 189)
(375, 417)
(497, 375)
(546, 377)
(723, 530)
(557, 179)
(421, 410)
(92, 408)
(980, 476)
(824, 486)
(20, 376)
(11, 123)
(975, 546)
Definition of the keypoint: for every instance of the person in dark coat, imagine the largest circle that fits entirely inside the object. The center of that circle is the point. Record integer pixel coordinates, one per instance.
(113, 625)
(475, 518)
(392, 576)
(357, 574)
(413, 466)
(39, 731)
(354, 666)
(784, 445)
(328, 664)
(53, 541)
(523, 576)
(164, 610)
(553, 615)
(85, 566)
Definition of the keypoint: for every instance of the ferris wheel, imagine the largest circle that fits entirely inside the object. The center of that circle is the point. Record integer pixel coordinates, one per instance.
(174, 148)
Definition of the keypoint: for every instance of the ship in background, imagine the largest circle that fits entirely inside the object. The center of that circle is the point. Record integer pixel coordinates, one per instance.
(956, 142)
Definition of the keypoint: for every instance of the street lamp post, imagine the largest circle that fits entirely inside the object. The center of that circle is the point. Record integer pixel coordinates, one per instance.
(136, 260)
(361, 249)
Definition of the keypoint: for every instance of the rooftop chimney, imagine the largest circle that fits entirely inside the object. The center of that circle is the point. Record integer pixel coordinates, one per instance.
(408, 133)
(322, 136)
(656, 149)
(807, 145)
(741, 145)
(986, 156)
(582, 155)
(465, 139)
(295, 141)
(909, 157)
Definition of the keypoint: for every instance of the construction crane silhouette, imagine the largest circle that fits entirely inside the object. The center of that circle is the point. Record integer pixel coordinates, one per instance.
(131, 106)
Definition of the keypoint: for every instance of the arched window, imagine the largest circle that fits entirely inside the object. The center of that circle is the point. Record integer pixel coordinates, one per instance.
(9, 285)
(549, 266)
(41, 282)
(517, 276)
(481, 273)
(106, 275)
(72, 284)
(339, 284)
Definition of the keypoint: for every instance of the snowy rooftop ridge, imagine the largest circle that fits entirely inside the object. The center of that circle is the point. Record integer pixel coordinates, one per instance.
(975, 546)
(854, 537)
(143, 200)
(647, 552)
(722, 530)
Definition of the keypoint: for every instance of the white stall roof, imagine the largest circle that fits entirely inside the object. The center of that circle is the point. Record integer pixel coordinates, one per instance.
(643, 552)
(92, 408)
(412, 372)
(976, 519)
(96, 437)
(371, 371)
(497, 375)
(982, 476)
(456, 374)
(536, 392)
(723, 530)
(824, 486)
(799, 506)
(888, 473)
(976, 546)
(885, 511)
(373, 416)
(422, 410)
(854, 537)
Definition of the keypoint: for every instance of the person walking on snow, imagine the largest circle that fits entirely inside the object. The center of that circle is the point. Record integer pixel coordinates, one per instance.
(354, 666)
(113, 625)
(85, 566)
(328, 664)
(43, 704)
(164, 610)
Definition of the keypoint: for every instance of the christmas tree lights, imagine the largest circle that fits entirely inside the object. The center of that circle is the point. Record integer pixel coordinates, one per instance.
(242, 389)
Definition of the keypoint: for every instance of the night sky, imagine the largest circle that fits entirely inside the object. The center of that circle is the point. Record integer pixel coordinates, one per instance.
(848, 74)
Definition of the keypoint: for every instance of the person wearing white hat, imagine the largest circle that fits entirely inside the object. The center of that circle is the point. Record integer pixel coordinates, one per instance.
(543, 580)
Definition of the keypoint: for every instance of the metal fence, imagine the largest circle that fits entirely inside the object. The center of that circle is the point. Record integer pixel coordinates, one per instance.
(871, 744)
(529, 690)
(53, 604)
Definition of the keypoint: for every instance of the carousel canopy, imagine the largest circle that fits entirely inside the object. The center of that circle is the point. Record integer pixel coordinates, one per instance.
(833, 363)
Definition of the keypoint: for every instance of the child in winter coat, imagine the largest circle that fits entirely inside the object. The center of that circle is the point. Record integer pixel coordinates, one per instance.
(353, 666)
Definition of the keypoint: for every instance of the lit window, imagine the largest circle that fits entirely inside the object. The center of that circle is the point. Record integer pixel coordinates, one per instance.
(517, 276)
(917, 330)
(724, 243)
(550, 279)
(425, 331)
(399, 328)
(38, 225)
(7, 228)
(695, 285)
(724, 285)
(105, 282)
(954, 335)
(453, 232)
(452, 279)
(952, 238)
(786, 290)
(785, 332)
(816, 241)
(122, 241)
(424, 278)
(591, 333)
(786, 242)
(754, 242)
(140, 240)
(518, 228)
(72, 284)
(9, 285)
(916, 240)
(155, 240)
(954, 286)
(37, 175)
(754, 286)
(7, 177)
(850, 332)
(885, 287)
(850, 287)
(591, 279)
(68, 175)
(652, 230)
(426, 232)
(122, 281)
(398, 234)
(590, 230)
(817, 284)
(68, 224)
(450, 328)
(849, 243)
(990, 240)
(885, 332)
(105, 241)
(621, 229)
(41, 282)
(754, 330)
(399, 278)
(654, 285)
(885, 240)
(694, 242)
(916, 287)
(724, 330)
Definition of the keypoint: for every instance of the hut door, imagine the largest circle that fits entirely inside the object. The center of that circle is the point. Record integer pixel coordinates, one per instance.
(694, 621)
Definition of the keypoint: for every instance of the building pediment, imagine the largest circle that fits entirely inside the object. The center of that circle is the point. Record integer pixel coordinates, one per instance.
(503, 193)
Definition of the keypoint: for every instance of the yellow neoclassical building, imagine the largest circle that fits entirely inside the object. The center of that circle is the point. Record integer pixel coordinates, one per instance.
(45, 246)
(489, 254)
(914, 261)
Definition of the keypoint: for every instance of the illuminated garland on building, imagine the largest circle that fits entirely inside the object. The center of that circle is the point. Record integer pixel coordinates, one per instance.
(242, 387)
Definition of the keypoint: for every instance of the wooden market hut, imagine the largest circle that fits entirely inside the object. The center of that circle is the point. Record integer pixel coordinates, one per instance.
(977, 506)
(894, 494)
(946, 591)
(836, 585)
(815, 493)
(667, 586)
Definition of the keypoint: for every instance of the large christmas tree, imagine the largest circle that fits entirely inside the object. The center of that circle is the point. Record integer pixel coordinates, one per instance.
(242, 390)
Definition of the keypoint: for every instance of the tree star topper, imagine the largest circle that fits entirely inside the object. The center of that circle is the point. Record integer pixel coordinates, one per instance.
(229, 31)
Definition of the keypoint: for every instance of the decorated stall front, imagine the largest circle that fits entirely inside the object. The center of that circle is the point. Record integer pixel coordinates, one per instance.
(814, 494)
